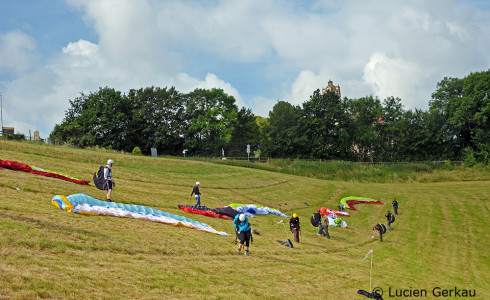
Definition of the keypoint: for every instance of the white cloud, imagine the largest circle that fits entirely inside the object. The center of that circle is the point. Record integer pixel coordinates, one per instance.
(185, 83)
(394, 77)
(16, 51)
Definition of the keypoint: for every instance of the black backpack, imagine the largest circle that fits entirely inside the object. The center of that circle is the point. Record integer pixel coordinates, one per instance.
(315, 219)
(383, 228)
(99, 178)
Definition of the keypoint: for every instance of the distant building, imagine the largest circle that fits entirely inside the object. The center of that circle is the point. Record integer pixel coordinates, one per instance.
(332, 88)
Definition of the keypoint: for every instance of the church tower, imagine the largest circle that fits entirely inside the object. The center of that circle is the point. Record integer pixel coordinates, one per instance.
(332, 88)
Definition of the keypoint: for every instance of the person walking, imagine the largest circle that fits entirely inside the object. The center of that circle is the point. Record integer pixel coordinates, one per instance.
(109, 183)
(323, 230)
(243, 231)
(294, 226)
(395, 206)
(197, 194)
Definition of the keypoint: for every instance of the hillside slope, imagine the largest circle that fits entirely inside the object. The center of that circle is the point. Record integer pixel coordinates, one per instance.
(440, 237)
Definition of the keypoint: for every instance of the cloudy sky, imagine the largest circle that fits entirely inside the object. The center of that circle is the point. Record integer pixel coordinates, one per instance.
(259, 51)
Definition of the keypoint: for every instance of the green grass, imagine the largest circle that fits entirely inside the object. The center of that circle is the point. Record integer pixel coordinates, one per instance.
(365, 172)
(440, 237)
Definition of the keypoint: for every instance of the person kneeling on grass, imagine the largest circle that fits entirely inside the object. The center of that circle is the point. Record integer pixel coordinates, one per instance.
(244, 234)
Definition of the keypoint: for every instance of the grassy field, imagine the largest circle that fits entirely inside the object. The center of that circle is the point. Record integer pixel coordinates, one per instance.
(439, 239)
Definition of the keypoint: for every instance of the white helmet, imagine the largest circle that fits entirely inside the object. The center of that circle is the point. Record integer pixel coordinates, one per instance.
(242, 217)
(198, 183)
(110, 162)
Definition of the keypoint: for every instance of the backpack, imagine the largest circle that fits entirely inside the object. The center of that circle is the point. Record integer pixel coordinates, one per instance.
(315, 219)
(383, 228)
(99, 178)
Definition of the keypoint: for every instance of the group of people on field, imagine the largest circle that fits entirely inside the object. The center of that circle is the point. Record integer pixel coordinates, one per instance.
(390, 219)
(241, 223)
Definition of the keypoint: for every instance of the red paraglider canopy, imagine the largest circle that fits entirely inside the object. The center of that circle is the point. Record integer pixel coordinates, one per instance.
(17, 166)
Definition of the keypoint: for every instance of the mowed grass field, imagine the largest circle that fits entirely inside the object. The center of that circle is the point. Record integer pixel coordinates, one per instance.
(440, 237)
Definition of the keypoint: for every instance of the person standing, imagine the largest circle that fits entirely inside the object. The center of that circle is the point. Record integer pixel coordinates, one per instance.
(323, 230)
(197, 194)
(109, 183)
(294, 226)
(389, 218)
(243, 231)
(395, 206)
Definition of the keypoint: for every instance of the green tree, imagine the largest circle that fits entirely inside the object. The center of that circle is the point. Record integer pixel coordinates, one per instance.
(461, 108)
(245, 132)
(282, 136)
(158, 120)
(365, 114)
(212, 117)
(95, 119)
(325, 123)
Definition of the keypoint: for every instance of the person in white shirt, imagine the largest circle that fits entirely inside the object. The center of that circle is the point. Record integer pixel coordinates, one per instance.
(109, 182)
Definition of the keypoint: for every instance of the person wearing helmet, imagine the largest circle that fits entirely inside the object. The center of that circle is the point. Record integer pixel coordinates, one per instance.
(108, 181)
(197, 194)
(243, 231)
(294, 226)
(323, 228)
(395, 206)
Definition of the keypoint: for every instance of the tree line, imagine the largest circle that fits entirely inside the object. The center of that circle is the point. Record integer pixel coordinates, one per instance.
(205, 122)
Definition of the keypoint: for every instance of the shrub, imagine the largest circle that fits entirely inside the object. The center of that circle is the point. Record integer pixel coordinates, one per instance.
(137, 151)
(469, 157)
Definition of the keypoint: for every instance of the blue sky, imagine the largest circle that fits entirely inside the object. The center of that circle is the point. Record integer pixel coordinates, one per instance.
(259, 51)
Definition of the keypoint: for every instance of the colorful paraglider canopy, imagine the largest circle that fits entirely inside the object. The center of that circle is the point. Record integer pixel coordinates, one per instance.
(17, 166)
(350, 201)
(84, 204)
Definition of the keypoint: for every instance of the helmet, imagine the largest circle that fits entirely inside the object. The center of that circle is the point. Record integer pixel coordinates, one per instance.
(198, 183)
(295, 215)
(394, 198)
(110, 162)
(241, 217)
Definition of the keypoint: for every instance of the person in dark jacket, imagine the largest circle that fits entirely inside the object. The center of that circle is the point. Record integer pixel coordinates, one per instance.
(243, 231)
(323, 230)
(294, 226)
(379, 229)
(395, 206)
(389, 218)
(197, 194)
